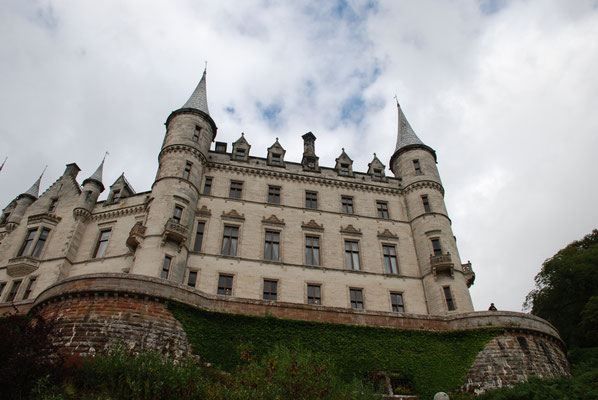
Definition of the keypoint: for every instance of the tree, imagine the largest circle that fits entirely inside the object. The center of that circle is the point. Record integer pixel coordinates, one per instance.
(564, 290)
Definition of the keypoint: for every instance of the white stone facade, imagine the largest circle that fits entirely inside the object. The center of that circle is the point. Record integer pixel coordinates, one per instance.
(296, 223)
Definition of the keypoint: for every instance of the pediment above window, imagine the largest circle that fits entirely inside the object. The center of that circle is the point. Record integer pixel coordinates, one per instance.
(241, 149)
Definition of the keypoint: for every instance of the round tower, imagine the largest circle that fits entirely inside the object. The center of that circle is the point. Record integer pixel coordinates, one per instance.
(444, 281)
(175, 193)
(92, 187)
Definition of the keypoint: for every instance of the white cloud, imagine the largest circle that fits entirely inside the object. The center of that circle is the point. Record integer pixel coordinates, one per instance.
(505, 91)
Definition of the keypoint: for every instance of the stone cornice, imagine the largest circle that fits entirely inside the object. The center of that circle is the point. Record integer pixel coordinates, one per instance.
(183, 148)
(290, 176)
(120, 212)
(423, 185)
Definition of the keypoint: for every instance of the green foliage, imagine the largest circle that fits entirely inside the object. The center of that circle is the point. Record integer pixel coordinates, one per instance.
(564, 288)
(281, 374)
(583, 385)
(24, 348)
(432, 361)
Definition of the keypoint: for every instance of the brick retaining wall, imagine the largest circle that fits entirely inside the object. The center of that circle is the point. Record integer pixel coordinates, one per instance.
(92, 313)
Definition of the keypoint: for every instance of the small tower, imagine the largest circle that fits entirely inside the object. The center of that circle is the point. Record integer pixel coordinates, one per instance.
(444, 281)
(13, 214)
(170, 217)
(92, 187)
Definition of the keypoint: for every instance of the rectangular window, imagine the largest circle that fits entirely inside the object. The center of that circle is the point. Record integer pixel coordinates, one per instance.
(449, 298)
(221, 147)
(347, 204)
(2, 286)
(390, 259)
(41, 241)
(313, 294)
(311, 200)
(276, 159)
(377, 173)
(29, 289)
(178, 213)
(426, 203)
(270, 289)
(28, 242)
(230, 240)
(382, 208)
(192, 278)
(225, 285)
(271, 245)
(196, 133)
(312, 250)
(274, 194)
(396, 301)
(13, 291)
(207, 186)
(236, 190)
(356, 296)
(166, 267)
(116, 195)
(344, 169)
(53, 204)
(199, 236)
(352, 254)
(240, 154)
(102, 244)
(436, 247)
(416, 167)
(187, 171)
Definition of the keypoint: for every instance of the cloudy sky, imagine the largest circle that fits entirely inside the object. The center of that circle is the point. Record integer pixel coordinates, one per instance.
(505, 91)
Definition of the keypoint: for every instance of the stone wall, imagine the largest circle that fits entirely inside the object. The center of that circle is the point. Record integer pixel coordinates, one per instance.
(513, 357)
(95, 312)
(96, 322)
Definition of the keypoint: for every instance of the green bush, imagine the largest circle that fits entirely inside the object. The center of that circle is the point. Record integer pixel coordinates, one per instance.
(430, 361)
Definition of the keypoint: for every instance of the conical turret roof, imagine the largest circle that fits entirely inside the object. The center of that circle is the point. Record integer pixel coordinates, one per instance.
(34, 189)
(406, 137)
(199, 98)
(97, 175)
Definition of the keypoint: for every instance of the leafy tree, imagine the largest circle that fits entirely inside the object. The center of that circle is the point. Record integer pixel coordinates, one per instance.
(566, 292)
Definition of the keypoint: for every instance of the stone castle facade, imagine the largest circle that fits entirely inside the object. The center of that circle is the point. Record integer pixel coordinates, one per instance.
(225, 222)
(226, 231)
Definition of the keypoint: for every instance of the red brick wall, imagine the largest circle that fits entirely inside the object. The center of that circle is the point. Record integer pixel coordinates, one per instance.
(93, 323)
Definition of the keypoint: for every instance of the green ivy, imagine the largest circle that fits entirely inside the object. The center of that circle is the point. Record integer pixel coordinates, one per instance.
(432, 361)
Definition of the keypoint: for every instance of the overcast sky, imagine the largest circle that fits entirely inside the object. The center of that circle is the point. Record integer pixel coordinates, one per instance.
(506, 92)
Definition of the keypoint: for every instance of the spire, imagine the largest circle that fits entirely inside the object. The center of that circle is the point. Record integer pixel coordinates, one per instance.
(34, 189)
(405, 136)
(97, 175)
(199, 98)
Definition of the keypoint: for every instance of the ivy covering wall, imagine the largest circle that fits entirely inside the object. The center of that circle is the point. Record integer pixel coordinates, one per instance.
(430, 361)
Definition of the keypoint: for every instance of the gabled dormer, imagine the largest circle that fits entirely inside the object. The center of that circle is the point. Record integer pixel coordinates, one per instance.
(344, 165)
(376, 170)
(276, 155)
(120, 189)
(240, 149)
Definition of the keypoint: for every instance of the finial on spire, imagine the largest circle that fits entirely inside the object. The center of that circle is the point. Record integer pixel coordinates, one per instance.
(397, 100)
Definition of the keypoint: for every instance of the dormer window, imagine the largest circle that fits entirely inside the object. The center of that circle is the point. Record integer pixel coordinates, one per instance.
(276, 159)
(344, 169)
(377, 173)
(115, 195)
(220, 147)
(276, 155)
(240, 154)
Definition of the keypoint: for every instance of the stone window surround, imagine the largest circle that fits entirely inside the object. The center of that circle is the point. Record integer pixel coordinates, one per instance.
(347, 205)
(238, 244)
(188, 274)
(311, 199)
(446, 299)
(354, 250)
(263, 288)
(226, 288)
(320, 259)
(396, 257)
(313, 284)
(276, 193)
(382, 210)
(205, 228)
(31, 281)
(39, 228)
(236, 189)
(164, 268)
(356, 290)
(207, 186)
(19, 288)
(102, 228)
(402, 295)
(280, 241)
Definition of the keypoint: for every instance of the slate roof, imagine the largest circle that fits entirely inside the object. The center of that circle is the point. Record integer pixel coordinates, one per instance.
(199, 98)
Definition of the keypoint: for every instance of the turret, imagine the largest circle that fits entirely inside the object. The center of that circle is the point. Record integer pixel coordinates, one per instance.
(445, 283)
(92, 187)
(13, 214)
(170, 218)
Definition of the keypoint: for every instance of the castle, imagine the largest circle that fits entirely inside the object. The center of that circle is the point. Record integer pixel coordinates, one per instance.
(228, 231)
